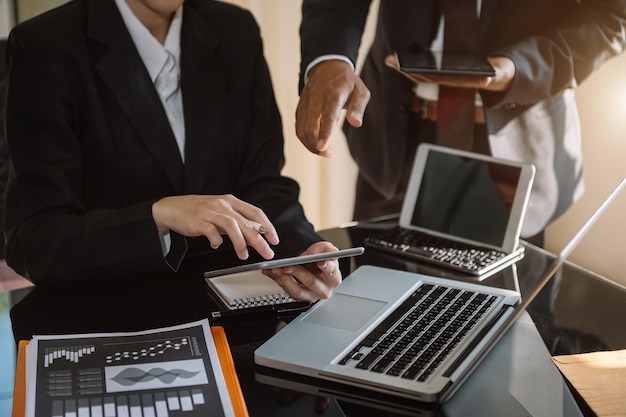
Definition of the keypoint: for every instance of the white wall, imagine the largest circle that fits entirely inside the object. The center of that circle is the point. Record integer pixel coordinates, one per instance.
(6, 17)
(30, 8)
(27, 9)
(602, 104)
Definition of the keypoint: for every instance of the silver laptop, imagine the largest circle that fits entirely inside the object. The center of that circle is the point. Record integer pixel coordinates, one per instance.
(354, 336)
(403, 333)
(462, 210)
(516, 379)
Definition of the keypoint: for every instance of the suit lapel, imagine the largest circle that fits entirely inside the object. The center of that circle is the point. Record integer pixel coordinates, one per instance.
(204, 88)
(125, 74)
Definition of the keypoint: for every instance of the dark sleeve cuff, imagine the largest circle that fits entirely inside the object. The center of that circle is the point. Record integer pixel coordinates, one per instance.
(177, 252)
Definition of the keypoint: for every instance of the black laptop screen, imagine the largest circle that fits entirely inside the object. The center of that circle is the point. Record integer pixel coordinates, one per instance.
(466, 198)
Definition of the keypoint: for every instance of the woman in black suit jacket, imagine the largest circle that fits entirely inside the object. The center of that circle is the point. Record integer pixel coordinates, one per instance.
(96, 174)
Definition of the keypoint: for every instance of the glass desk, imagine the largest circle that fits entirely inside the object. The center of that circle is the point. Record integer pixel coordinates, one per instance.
(578, 311)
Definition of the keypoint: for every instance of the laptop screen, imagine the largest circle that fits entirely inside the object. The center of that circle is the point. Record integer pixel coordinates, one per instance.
(468, 198)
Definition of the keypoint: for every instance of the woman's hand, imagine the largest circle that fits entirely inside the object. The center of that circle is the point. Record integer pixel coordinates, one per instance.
(213, 216)
(312, 281)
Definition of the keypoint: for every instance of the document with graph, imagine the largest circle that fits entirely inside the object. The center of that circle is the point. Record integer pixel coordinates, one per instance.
(183, 370)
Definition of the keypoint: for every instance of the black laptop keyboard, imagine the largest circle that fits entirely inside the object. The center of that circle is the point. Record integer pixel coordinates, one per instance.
(420, 333)
(441, 251)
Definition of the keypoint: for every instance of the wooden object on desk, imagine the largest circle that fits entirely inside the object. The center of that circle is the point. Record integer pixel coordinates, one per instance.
(599, 378)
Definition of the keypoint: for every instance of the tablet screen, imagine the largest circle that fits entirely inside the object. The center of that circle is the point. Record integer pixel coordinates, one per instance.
(465, 197)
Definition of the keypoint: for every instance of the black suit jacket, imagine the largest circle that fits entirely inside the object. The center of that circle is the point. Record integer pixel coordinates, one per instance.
(91, 147)
(555, 45)
(4, 152)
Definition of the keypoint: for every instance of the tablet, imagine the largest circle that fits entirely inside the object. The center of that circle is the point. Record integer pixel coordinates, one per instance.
(445, 63)
(278, 263)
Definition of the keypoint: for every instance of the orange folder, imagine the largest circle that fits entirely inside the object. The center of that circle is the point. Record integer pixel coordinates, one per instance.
(228, 368)
(223, 352)
(19, 389)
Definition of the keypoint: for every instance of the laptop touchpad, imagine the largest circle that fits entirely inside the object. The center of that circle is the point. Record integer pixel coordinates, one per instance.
(344, 312)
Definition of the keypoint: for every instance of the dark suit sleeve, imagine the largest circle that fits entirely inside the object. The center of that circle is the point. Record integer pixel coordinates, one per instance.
(331, 27)
(566, 52)
(4, 152)
(52, 233)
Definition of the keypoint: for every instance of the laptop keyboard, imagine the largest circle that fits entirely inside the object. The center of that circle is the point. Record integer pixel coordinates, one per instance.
(441, 251)
(420, 333)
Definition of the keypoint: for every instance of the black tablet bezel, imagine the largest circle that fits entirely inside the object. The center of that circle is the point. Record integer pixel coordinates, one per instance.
(295, 260)
(429, 62)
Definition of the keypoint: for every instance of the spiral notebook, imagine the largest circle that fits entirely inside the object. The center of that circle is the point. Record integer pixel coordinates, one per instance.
(247, 290)
(245, 287)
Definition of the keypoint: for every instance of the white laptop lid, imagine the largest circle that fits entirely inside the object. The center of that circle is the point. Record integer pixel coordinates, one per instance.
(467, 197)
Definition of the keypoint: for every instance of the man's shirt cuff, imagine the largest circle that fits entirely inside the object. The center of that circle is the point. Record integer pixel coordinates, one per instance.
(326, 58)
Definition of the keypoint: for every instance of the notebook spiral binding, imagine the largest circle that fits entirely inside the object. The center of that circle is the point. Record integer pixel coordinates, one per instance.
(263, 300)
